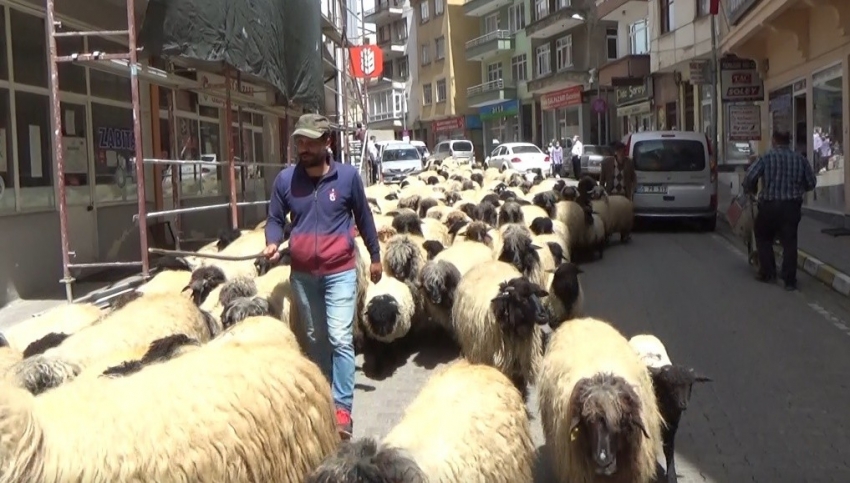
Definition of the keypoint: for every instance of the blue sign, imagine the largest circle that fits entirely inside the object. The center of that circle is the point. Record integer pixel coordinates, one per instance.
(116, 139)
(473, 122)
(502, 109)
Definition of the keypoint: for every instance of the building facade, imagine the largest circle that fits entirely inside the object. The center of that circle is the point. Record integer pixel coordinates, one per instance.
(444, 73)
(568, 41)
(388, 106)
(802, 51)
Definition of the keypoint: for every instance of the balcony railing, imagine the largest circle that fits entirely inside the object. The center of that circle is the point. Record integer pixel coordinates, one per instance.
(737, 9)
(381, 6)
(494, 35)
(385, 116)
(495, 85)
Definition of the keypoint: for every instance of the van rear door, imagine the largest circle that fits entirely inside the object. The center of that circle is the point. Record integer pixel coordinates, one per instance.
(673, 174)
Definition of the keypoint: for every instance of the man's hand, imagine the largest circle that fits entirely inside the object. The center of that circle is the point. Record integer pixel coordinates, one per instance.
(271, 253)
(375, 272)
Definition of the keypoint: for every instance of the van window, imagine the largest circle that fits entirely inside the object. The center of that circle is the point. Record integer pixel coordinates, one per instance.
(462, 146)
(423, 151)
(401, 155)
(669, 155)
(442, 148)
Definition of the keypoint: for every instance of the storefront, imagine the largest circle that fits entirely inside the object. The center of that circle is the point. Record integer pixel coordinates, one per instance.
(449, 128)
(562, 114)
(666, 101)
(501, 122)
(634, 108)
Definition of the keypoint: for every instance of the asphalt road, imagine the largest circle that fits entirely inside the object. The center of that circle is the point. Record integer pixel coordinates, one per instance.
(777, 410)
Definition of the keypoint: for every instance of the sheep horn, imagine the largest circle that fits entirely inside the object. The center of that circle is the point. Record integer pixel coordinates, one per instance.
(535, 247)
(638, 424)
(187, 287)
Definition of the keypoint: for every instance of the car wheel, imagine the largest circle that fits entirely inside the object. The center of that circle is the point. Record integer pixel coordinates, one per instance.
(709, 224)
(503, 168)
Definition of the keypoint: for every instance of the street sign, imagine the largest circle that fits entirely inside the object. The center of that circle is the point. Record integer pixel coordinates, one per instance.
(740, 80)
(700, 72)
(744, 121)
(599, 105)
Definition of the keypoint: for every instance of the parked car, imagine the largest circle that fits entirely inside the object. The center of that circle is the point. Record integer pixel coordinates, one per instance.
(592, 158)
(459, 149)
(676, 176)
(423, 149)
(399, 160)
(523, 157)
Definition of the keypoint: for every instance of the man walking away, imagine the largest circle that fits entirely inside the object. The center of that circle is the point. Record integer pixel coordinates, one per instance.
(557, 159)
(322, 195)
(576, 157)
(372, 150)
(617, 175)
(786, 176)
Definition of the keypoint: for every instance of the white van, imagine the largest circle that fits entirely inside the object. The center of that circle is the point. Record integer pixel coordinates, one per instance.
(676, 176)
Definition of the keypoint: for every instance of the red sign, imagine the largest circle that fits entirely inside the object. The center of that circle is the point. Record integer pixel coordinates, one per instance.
(367, 61)
(570, 96)
(742, 78)
(450, 124)
(714, 7)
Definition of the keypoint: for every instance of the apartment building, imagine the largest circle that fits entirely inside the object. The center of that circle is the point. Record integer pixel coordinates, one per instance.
(567, 41)
(627, 71)
(504, 51)
(445, 74)
(387, 98)
(802, 51)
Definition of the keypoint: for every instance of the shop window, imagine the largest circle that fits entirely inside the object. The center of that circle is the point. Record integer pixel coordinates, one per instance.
(76, 153)
(4, 59)
(7, 165)
(207, 111)
(114, 147)
(104, 84)
(29, 49)
(827, 137)
(34, 149)
(192, 176)
(187, 101)
(72, 77)
(209, 177)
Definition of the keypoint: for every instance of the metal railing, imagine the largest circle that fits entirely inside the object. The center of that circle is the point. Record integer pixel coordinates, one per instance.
(495, 85)
(381, 6)
(385, 116)
(488, 37)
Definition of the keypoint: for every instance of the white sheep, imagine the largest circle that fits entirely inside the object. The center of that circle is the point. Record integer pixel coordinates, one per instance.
(496, 319)
(518, 249)
(167, 281)
(594, 237)
(622, 216)
(388, 309)
(105, 344)
(247, 411)
(588, 364)
(65, 319)
(468, 424)
(650, 350)
(404, 256)
(572, 216)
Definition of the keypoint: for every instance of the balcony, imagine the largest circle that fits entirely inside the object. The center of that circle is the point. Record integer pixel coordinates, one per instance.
(621, 10)
(565, 77)
(393, 48)
(551, 22)
(385, 11)
(387, 108)
(626, 67)
(488, 45)
(480, 8)
(491, 92)
(737, 9)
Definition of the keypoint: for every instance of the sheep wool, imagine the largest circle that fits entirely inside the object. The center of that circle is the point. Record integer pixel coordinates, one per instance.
(274, 287)
(583, 349)
(264, 415)
(167, 281)
(621, 216)
(388, 311)
(139, 323)
(651, 350)
(570, 214)
(65, 318)
(404, 257)
(468, 424)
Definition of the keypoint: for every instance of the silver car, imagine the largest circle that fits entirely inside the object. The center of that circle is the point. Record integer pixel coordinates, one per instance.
(592, 158)
(398, 161)
(460, 149)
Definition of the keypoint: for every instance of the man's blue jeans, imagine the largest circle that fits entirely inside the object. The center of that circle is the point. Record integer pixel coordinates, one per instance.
(326, 305)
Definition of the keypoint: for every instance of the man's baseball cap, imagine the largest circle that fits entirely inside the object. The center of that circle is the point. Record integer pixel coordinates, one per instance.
(312, 126)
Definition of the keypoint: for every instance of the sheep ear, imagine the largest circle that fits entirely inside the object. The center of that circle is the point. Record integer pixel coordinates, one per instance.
(574, 423)
(639, 424)
(187, 287)
(541, 293)
(535, 247)
(701, 378)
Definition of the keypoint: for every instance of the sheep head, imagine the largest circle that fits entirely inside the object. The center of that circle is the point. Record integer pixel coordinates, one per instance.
(467, 184)
(365, 462)
(510, 212)
(674, 383)
(491, 198)
(598, 193)
(478, 178)
(382, 315)
(468, 209)
(565, 286)
(407, 222)
(486, 212)
(432, 247)
(226, 237)
(605, 420)
(410, 202)
(542, 226)
(519, 251)
(237, 288)
(546, 200)
(439, 281)
(478, 231)
(242, 308)
(452, 197)
(425, 205)
(203, 281)
(263, 264)
(569, 193)
(432, 180)
(3, 341)
(586, 184)
(518, 308)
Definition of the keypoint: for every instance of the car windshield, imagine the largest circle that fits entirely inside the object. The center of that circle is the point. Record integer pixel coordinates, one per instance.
(462, 146)
(525, 149)
(669, 155)
(406, 154)
(597, 150)
(423, 151)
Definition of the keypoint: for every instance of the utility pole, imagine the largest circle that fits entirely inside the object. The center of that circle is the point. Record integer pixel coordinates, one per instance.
(715, 80)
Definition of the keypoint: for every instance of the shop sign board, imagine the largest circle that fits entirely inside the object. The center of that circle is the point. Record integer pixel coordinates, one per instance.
(634, 94)
(571, 96)
(450, 124)
(700, 73)
(217, 82)
(744, 122)
(740, 80)
(500, 110)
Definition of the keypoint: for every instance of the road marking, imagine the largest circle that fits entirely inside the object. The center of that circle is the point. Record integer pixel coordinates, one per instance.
(831, 318)
(729, 246)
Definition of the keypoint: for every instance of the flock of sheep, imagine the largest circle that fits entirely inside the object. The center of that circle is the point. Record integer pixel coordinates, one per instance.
(200, 373)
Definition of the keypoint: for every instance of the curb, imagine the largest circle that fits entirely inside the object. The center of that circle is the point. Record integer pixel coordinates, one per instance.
(823, 272)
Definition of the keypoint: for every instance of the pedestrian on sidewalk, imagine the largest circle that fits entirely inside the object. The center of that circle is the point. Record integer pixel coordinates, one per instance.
(576, 152)
(617, 175)
(323, 196)
(786, 177)
(557, 159)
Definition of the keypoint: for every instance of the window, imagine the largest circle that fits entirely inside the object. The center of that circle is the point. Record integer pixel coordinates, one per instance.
(516, 17)
(494, 72)
(4, 59)
(400, 30)
(72, 76)
(564, 53)
(29, 52)
(383, 34)
(439, 7)
(34, 149)
(112, 136)
(703, 7)
(541, 9)
(7, 165)
(110, 86)
(403, 68)
(827, 146)
(425, 55)
(519, 67)
(388, 69)
(491, 23)
(669, 155)
(74, 131)
(440, 48)
(564, 4)
(544, 60)
(441, 90)
(668, 16)
(611, 39)
(427, 94)
(638, 38)
(423, 11)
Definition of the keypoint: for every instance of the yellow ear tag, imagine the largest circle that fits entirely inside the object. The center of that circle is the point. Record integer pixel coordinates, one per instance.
(574, 434)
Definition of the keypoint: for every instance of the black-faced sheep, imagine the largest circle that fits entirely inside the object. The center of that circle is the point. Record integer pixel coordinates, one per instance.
(425, 205)
(277, 426)
(541, 226)
(530, 259)
(226, 237)
(138, 324)
(546, 201)
(478, 178)
(510, 212)
(487, 213)
(566, 299)
(468, 424)
(673, 385)
(496, 319)
(597, 406)
(467, 208)
(404, 256)
(203, 281)
(491, 198)
(242, 308)
(65, 318)
(432, 248)
(388, 309)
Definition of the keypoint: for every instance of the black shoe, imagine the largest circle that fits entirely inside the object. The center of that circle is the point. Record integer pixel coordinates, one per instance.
(765, 278)
(791, 287)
